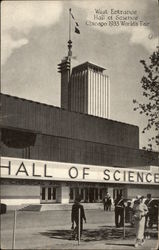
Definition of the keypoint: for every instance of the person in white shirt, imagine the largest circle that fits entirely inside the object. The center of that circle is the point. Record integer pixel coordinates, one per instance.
(140, 211)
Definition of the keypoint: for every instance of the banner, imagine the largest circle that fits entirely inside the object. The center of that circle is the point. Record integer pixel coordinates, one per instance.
(46, 170)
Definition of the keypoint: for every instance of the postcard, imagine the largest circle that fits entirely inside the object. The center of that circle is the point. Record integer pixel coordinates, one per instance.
(79, 124)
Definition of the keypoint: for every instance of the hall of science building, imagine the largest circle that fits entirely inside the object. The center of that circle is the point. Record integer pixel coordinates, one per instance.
(51, 154)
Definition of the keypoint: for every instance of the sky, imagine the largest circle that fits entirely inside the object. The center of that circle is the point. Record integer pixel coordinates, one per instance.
(34, 37)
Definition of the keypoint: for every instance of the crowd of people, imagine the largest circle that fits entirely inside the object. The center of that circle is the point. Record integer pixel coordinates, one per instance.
(140, 212)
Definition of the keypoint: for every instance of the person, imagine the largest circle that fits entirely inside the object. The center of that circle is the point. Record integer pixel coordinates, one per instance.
(109, 202)
(153, 213)
(119, 211)
(75, 217)
(140, 210)
(148, 203)
(105, 202)
(128, 212)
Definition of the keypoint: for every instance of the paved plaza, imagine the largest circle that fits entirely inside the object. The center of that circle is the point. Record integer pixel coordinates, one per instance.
(52, 230)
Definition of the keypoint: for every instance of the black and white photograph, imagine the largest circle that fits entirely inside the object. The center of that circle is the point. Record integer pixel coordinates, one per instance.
(79, 125)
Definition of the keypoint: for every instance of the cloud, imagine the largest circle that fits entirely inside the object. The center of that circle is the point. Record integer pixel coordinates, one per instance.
(138, 34)
(19, 17)
(144, 36)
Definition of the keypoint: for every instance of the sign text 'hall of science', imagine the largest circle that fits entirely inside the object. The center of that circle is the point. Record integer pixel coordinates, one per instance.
(33, 169)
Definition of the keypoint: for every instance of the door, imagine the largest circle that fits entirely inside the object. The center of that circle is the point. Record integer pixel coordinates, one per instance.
(48, 194)
(116, 192)
(91, 194)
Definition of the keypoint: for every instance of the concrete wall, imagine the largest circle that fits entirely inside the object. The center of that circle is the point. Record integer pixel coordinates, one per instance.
(53, 148)
(28, 115)
(20, 194)
(133, 191)
(65, 190)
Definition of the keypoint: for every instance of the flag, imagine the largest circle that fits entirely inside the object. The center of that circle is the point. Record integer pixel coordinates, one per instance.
(77, 30)
(75, 22)
(72, 15)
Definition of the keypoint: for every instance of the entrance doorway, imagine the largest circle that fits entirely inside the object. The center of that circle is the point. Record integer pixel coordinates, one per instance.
(93, 195)
(48, 194)
(88, 194)
(117, 191)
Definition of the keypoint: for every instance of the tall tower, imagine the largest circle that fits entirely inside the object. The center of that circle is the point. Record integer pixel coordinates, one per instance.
(64, 69)
(89, 90)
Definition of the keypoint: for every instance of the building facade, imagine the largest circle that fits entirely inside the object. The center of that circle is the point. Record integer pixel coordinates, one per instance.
(51, 154)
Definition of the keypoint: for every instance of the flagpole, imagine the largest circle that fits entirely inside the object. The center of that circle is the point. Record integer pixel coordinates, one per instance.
(69, 41)
(69, 56)
(70, 24)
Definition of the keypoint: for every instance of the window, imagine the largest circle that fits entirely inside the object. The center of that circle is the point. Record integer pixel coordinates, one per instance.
(96, 193)
(82, 193)
(43, 193)
(54, 193)
(49, 193)
(101, 194)
(71, 193)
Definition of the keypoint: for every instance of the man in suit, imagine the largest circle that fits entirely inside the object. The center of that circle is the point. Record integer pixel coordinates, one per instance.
(119, 211)
(76, 207)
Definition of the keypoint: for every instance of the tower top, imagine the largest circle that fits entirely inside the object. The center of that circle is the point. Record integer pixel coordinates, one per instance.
(88, 65)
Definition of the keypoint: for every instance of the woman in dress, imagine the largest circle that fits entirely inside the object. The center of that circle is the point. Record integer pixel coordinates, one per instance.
(140, 211)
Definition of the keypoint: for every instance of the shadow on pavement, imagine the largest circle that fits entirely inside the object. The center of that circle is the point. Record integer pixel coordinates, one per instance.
(120, 244)
(127, 226)
(90, 235)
